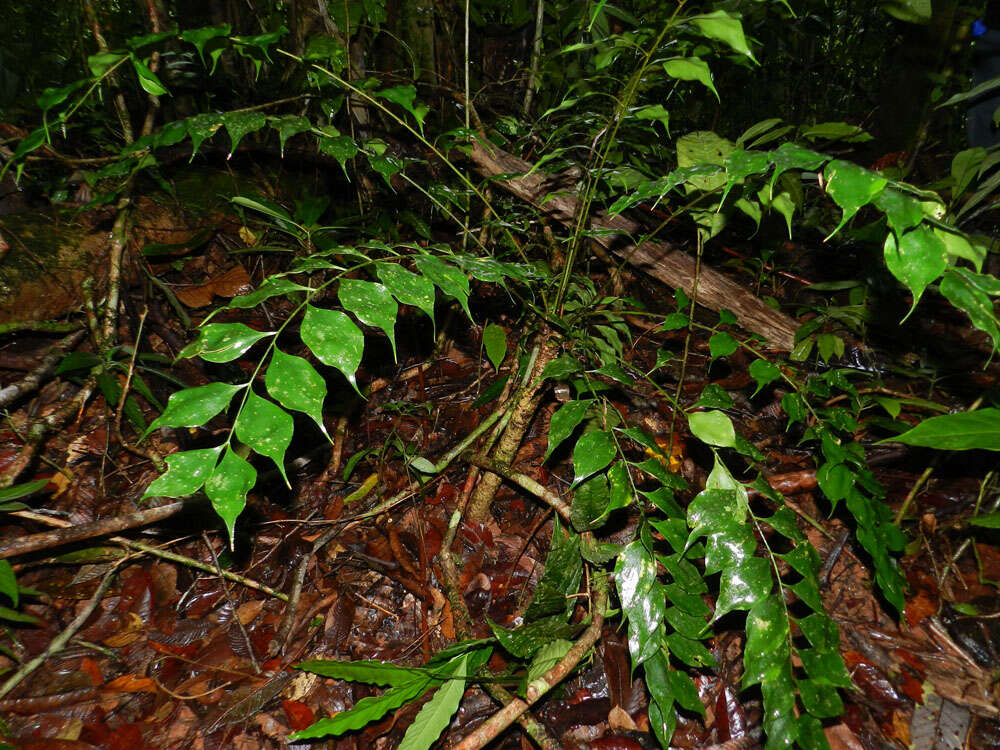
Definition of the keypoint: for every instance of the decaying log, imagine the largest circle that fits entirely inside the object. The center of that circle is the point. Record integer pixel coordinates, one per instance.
(658, 259)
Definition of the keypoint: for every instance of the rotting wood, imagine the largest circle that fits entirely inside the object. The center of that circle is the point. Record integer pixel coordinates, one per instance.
(658, 259)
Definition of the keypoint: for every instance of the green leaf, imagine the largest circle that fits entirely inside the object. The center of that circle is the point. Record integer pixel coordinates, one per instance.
(373, 305)
(728, 547)
(592, 453)
(564, 420)
(903, 211)
(227, 488)
(267, 429)
(272, 287)
(722, 345)
(448, 279)
(201, 128)
(591, 503)
(334, 339)
(822, 701)
(685, 692)
(405, 97)
(436, 713)
(766, 653)
(713, 427)
(654, 112)
(918, 259)
(690, 651)
(763, 372)
(295, 384)
(561, 579)
(264, 206)
(744, 586)
(724, 27)
(968, 430)
(675, 321)
(960, 287)
(836, 481)
(635, 577)
(690, 69)
(287, 126)
(193, 407)
(147, 78)
(12, 615)
(21, 490)
(203, 36)
(524, 641)
(371, 672)
(851, 187)
(495, 342)
(238, 124)
(100, 62)
(187, 472)
(340, 147)
(547, 657)
(222, 342)
(662, 717)
(986, 521)
(561, 368)
(8, 582)
(407, 287)
(365, 711)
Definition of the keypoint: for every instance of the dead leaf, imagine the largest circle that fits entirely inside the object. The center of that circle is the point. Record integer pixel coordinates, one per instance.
(232, 283)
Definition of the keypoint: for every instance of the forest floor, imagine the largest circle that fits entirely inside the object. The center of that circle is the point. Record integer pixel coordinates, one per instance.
(169, 654)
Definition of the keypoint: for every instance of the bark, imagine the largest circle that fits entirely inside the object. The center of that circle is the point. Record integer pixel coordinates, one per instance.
(660, 260)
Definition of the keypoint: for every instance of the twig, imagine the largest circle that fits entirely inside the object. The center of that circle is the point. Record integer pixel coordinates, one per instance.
(521, 480)
(75, 533)
(519, 416)
(31, 382)
(492, 727)
(225, 591)
(60, 641)
(165, 555)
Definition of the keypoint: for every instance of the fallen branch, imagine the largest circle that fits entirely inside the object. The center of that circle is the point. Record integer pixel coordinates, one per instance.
(658, 259)
(34, 379)
(76, 533)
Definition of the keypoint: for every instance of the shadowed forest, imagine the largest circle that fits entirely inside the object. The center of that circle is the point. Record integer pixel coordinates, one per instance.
(494, 373)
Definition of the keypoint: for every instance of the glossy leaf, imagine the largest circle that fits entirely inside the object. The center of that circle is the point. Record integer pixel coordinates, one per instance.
(371, 672)
(902, 211)
(288, 126)
(270, 288)
(147, 78)
(635, 576)
(724, 27)
(970, 430)
(744, 585)
(561, 579)
(436, 713)
(851, 187)
(8, 582)
(187, 472)
(690, 69)
(564, 421)
(373, 305)
(227, 488)
(238, 124)
(408, 287)
(22, 490)
(495, 343)
(267, 429)
(193, 407)
(524, 641)
(365, 711)
(448, 279)
(960, 287)
(334, 339)
(722, 345)
(916, 260)
(713, 427)
(591, 503)
(763, 373)
(691, 651)
(592, 453)
(295, 384)
(685, 692)
(222, 342)
(547, 657)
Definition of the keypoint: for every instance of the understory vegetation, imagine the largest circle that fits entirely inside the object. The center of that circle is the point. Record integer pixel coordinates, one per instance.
(629, 285)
